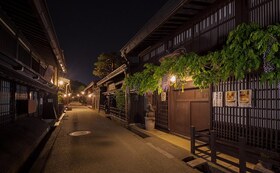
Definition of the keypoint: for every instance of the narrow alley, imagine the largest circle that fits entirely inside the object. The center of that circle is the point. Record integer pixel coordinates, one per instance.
(108, 147)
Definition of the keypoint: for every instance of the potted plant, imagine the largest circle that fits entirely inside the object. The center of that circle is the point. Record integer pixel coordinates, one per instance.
(150, 117)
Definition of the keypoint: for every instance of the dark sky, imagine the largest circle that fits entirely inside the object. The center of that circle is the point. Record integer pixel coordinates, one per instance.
(86, 28)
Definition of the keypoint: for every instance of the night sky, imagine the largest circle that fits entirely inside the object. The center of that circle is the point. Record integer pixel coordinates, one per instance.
(87, 28)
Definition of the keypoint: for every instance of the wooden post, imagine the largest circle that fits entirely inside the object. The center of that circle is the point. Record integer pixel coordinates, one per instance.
(192, 139)
(127, 105)
(213, 146)
(242, 159)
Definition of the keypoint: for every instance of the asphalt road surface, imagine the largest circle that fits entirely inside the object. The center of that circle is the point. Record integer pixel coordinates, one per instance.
(109, 148)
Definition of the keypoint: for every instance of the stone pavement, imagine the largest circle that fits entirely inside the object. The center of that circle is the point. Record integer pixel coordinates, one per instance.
(185, 145)
(108, 148)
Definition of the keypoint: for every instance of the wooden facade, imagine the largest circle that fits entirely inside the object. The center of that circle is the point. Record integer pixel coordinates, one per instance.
(201, 27)
(30, 64)
(107, 92)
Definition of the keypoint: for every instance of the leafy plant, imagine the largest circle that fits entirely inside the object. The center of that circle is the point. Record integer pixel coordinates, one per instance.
(120, 100)
(249, 48)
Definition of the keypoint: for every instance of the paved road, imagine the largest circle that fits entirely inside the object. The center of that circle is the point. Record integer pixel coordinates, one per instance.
(109, 148)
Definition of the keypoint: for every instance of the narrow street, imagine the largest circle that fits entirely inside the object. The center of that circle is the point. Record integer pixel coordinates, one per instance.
(108, 148)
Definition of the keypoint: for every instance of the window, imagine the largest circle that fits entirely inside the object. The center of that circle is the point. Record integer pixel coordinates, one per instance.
(188, 34)
(153, 53)
(146, 57)
(230, 8)
(5, 99)
(21, 93)
(160, 49)
(180, 38)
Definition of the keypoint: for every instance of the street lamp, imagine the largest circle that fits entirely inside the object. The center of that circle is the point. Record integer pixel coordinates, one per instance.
(173, 79)
(60, 83)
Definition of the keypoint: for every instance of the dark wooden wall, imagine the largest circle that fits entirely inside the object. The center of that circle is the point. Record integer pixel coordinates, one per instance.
(11, 47)
(260, 124)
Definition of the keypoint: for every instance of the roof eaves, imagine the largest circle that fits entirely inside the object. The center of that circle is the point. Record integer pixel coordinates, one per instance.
(158, 19)
(43, 12)
(116, 72)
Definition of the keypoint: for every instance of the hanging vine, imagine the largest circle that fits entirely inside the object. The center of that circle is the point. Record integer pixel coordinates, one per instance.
(249, 48)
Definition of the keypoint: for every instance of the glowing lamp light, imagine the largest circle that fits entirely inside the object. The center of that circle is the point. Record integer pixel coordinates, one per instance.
(173, 79)
(64, 95)
(78, 95)
(83, 92)
(89, 95)
(60, 82)
(69, 94)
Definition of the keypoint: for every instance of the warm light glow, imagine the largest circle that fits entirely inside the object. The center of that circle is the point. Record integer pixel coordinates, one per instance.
(89, 95)
(60, 82)
(83, 92)
(173, 79)
(69, 94)
(78, 95)
(64, 95)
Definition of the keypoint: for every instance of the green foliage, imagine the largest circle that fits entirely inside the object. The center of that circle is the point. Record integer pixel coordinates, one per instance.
(106, 63)
(241, 55)
(146, 81)
(60, 97)
(120, 99)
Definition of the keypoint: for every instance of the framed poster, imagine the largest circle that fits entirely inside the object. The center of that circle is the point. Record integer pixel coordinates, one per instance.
(231, 98)
(245, 98)
(163, 96)
(217, 99)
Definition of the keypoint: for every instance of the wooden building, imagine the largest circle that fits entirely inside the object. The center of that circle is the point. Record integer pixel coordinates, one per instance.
(111, 99)
(91, 95)
(202, 26)
(31, 61)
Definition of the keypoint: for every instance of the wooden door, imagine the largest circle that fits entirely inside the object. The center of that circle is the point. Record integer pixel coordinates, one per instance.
(191, 107)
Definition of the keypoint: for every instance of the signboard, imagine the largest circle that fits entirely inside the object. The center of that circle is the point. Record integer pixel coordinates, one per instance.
(49, 73)
(32, 106)
(111, 87)
(231, 98)
(163, 96)
(245, 98)
(217, 99)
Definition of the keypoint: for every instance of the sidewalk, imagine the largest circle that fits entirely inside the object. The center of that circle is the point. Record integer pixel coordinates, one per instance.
(18, 140)
(185, 145)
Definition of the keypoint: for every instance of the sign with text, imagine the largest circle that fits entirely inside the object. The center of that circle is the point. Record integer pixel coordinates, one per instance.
(217, 99)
